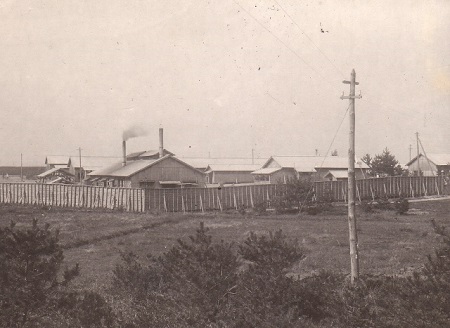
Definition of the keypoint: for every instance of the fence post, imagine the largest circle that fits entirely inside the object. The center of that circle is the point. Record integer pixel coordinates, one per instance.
(219, 203)
(201, 204)
(182, 205)
(164, 201)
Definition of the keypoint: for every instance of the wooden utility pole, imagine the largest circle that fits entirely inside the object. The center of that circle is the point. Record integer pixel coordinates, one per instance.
(79, 152)
(410, 149)
(353, 237)
(21, 167)
(418, 153)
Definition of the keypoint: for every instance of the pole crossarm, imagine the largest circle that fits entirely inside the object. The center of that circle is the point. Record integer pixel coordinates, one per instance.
(351, 96)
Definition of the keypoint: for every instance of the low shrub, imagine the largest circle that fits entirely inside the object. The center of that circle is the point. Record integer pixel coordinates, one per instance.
(260, 208)
(367, 206)
(383, 204)
(35, 291)
(401, 206)
(313, 209)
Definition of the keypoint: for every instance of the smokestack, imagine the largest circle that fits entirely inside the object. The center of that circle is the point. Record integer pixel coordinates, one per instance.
(124, 153)
(161, 143)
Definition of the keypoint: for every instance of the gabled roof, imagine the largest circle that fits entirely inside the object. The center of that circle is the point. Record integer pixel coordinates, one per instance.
(266, 171)
(437, 159)
(312, 163)
(118, 170)
(54, 170)
(232, 168)
(338, 174)
(133, 167)
(47, 173)
(55, 160)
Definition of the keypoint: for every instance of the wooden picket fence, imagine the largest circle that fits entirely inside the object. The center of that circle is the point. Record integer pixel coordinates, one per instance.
(207, 199)
(137, 200)
(376, 188)
(72, 196)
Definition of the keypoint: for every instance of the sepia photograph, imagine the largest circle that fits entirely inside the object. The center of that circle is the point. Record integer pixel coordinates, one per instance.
(225, 164)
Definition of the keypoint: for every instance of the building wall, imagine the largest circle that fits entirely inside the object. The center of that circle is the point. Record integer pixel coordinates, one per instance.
(322, 172)
(282, 175)
(230, 177)
(168, 170)
(428, 168)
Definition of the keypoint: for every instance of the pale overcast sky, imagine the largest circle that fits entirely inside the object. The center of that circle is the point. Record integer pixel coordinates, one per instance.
(221, 77)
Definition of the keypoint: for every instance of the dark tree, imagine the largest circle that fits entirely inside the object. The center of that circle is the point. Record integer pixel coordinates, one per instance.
(367, 159)
(385, 164)
(30, 260)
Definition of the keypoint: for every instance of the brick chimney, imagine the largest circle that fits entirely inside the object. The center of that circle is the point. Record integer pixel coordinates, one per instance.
(124, 153)
(161, 143)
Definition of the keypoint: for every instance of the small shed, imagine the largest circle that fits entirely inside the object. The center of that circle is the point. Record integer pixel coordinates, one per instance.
(430, 165)
(60, 162)
(56, 175)
(336, 175)
(274, 175)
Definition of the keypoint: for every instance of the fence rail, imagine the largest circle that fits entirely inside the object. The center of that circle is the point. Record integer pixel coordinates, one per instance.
(206, 199)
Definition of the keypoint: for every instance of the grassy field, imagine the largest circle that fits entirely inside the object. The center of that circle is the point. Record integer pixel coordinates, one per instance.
(388, 243)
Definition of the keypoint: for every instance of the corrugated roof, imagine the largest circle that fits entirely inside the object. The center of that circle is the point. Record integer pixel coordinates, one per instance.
(117, 170)
(133, 167)
(311, 163)
(232, 167)
(47, 173)
(268, 170)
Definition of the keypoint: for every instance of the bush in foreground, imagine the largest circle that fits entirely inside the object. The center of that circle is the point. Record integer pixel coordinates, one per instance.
(202, 284)
(33, 290)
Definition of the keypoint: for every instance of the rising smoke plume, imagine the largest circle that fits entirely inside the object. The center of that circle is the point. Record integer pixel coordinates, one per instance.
(133, 132)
